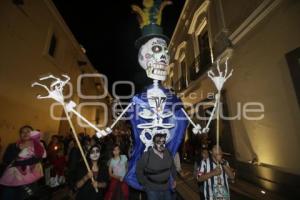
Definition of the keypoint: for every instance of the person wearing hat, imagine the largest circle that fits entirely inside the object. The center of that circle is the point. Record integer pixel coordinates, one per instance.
(156, 111)
(157, 114)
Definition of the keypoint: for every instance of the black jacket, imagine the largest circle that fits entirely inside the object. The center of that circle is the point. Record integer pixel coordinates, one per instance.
(87, 191)
(154, 172)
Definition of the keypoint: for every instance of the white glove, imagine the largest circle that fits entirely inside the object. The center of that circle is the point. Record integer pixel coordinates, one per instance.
(205, 130)
(103, 133)
(197, 129)
(70, 106)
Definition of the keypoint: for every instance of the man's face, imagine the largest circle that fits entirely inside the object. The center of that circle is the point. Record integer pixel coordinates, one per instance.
(217, 155)
(160, 144)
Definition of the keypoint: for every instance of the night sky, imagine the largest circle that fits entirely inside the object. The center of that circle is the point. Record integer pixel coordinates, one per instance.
(107, 30)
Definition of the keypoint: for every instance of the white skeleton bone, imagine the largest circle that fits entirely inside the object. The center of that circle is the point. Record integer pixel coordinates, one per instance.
(154, 58)
(157, 119)
(219, 79)
(156, 113)
(104, 132)
(108, 130)
(197, 127)
(56, 88)
(55, 91)
(151, 128)
(206, 129)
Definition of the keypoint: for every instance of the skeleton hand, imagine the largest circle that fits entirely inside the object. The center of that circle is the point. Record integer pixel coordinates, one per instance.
(205, 130)
(197, 129)
(67, 77)
(103, 132)
(219, 79)
(55, 91)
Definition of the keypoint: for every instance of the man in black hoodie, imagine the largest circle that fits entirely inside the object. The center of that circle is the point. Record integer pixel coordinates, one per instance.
(155, 168)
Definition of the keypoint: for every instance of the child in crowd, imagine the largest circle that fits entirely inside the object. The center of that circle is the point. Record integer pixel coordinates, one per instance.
(118, 189)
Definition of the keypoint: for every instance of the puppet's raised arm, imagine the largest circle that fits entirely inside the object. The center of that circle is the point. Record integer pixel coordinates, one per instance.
(108, 130)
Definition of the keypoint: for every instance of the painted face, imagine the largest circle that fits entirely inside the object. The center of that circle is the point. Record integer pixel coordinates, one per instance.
(160, 144)
(154, 58)
(95, 154)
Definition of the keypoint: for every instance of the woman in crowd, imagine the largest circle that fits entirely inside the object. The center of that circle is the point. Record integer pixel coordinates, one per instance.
(54, 145)
(118, 189)
(57, 160)
(23, 165)
(86, 189)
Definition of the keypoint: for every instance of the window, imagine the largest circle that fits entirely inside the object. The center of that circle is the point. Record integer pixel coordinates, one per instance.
(204, 57)
(199, 31)
(183, 78)
(193, 70)
(182, 74)
(52, 46)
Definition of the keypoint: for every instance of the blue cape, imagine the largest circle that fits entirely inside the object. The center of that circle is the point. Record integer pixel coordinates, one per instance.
(176, 133)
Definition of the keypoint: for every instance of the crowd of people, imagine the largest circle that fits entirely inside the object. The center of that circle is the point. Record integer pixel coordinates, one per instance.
(33, 169)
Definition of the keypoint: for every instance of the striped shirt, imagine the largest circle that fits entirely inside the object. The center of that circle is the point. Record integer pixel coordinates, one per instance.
(216, 186)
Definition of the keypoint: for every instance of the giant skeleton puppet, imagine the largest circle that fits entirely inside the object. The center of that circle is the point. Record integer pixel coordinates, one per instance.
(156, 110)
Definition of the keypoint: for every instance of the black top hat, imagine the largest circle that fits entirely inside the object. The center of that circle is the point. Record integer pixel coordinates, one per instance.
(150, 20)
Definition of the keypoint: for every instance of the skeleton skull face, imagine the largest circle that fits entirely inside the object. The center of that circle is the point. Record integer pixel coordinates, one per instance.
(154, 58)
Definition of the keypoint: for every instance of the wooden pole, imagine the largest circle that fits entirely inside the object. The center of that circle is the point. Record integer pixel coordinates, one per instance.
(218, 122)
(78, 144)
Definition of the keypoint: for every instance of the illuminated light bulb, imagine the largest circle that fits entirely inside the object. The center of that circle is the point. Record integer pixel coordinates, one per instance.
(263, 192)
